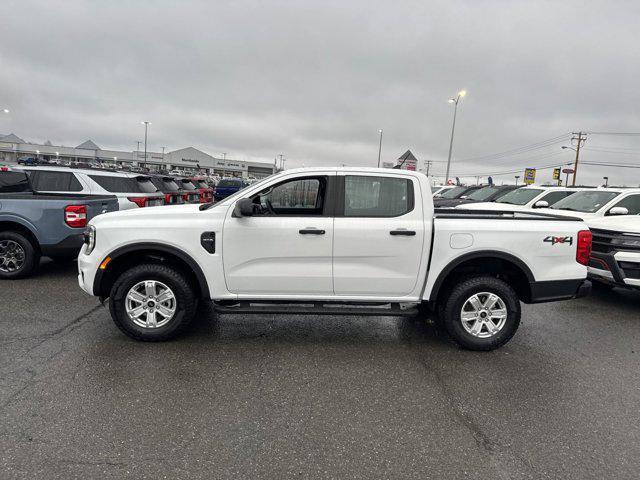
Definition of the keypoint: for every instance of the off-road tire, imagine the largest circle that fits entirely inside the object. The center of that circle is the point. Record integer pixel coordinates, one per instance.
(451, 307)
(186, 301)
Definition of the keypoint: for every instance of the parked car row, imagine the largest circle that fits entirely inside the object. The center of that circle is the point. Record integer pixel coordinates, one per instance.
(133, 190)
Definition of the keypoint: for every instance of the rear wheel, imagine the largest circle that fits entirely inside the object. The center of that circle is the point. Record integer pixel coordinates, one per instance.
(152, 302)
(18, 257)
(481, 313)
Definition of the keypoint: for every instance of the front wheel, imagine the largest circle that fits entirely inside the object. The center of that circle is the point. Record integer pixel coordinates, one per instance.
(481, 313)
(18, 257)
(152, 302)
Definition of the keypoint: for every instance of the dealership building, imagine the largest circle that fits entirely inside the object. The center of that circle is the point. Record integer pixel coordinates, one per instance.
(189, 160)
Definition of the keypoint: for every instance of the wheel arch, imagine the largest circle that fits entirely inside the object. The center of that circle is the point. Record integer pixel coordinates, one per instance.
(148, 252)
(15, 225)
(491, 262)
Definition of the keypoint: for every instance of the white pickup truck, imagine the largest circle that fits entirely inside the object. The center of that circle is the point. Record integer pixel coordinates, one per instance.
(359, 241)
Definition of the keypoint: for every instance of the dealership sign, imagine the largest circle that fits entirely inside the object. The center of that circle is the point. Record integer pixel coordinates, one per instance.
(529, 176)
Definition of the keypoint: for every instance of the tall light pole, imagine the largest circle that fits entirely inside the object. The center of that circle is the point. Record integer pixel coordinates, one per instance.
(456, 100)
(606, 181)
(517, 177)
(146, 127)
(379, 147)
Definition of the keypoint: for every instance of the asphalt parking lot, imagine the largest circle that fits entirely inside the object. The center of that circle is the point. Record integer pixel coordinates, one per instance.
(314, 397)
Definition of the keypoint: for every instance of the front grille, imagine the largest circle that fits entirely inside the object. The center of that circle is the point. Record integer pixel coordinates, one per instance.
(602, 240)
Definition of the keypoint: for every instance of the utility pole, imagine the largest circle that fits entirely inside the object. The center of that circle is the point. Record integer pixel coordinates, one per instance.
(455, 101)
(281, 161)
(428, 162)
(146, 127)
(580, 137)
(138, 150)
(379, 147)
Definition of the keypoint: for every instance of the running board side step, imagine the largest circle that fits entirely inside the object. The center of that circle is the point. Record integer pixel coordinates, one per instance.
(317, 308)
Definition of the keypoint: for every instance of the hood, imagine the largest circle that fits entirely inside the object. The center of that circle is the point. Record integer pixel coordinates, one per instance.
(618, 223)
(491, 206)
(161, 213)
(450, 202)
(567, 213)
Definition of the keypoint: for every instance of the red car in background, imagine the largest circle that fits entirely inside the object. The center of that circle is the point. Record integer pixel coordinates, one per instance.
(206, 190)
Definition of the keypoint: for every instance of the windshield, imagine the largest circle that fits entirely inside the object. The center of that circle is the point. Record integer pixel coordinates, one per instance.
(207, 206)
(587, 202)
(522, 196)
(483, 193)
(454, 192)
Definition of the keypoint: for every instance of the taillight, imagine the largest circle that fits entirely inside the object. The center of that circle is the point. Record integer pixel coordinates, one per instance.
(75, 216)
(140, 201)
(583, 252)
(167, 198)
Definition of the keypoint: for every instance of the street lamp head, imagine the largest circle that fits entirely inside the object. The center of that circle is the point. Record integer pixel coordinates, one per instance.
(452, 100)
(380, 131)
(57, 154)
(115, 158)
(145, 123)
(5, 110)
(38, 152)
(462, 93)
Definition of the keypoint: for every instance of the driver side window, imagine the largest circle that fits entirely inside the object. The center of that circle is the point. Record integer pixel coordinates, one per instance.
(631, 203)
(297, 197)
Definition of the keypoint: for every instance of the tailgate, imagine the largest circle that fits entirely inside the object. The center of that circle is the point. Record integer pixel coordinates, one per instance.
(101, 205)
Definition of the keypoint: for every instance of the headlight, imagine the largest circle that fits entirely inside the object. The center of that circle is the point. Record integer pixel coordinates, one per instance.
(89, 239)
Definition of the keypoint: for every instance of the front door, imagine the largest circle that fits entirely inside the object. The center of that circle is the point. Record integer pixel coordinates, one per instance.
(285, 248)
(378, 235)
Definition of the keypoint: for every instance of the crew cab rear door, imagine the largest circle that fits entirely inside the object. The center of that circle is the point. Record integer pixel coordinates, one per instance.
(379, 231)
(285, 247)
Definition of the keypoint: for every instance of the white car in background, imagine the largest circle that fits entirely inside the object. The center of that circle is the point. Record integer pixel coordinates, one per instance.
(438, 190)
(615, 253)
(598, 202)
(524, 198)
(131, 189)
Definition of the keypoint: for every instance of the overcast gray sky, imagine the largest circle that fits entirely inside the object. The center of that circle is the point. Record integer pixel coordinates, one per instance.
(315, 80)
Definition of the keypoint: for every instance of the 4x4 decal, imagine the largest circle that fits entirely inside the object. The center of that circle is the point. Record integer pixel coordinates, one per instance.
(553, 240)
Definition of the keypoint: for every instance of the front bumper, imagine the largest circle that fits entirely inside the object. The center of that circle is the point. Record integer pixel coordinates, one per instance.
(555, 290)
(87, 271)
(618, 267)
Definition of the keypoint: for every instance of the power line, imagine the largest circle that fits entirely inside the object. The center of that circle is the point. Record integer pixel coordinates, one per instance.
(614, 165)
(520, 150)
(628, 134)
(484, 174)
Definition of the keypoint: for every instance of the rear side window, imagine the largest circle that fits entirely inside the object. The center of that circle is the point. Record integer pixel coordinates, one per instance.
(45, 181)
(202, 184)
(14, 182)
(366, 196)
(116, 184)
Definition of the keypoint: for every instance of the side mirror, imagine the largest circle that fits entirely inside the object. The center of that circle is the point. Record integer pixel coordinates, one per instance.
(541, 204)
(618, 211)
(243, 208)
